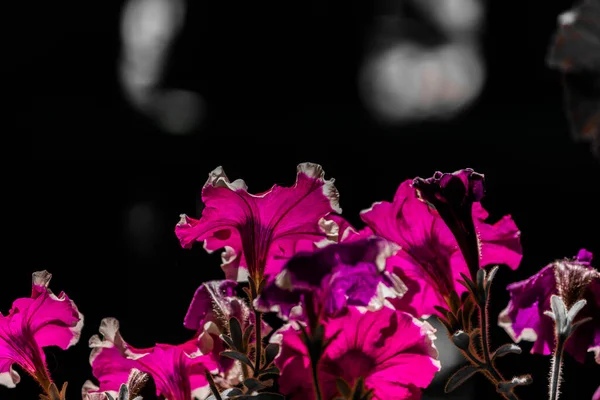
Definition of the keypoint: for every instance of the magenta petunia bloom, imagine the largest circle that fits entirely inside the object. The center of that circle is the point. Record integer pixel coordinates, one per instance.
(390, 349)
(339, 274)
(430, 260)
(178, 370)
(524, 319)
(255, 228)
(596, 394)
(33, 323)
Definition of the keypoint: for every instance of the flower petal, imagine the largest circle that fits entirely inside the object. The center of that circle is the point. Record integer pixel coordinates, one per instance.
(500, 242)
(252, 225)
(386, 347)
(523, 318)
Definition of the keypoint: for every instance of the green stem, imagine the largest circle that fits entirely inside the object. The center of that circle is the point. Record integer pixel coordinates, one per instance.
(315, 377)
(258, 335)
(490, 370)
(556, 370)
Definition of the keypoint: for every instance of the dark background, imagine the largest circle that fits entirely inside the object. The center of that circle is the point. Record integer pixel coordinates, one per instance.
(279, 80)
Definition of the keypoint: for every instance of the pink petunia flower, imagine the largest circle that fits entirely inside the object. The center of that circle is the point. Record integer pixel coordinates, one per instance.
(253, 229)
(524, 319)
(390, 349)
(178, 370)
(33, 323)
(596, 394)
(430, 260)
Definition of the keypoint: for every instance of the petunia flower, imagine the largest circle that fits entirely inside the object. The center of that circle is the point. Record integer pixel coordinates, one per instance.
(213, 305)
(572, 280)
(430, 260)
(177, 370)
(390, 349)
(339, 274)
(255, 228)
(33, 323)
(596, 394)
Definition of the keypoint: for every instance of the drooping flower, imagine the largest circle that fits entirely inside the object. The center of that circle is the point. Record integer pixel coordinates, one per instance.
(453, 195)
(572, 280)
(33, 323)
(178, 370)
(430, 260)
(339, 274)
(390, 349)
(213, 305)
(255, 228)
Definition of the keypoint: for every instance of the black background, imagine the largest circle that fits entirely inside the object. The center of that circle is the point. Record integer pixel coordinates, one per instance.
(279, 79)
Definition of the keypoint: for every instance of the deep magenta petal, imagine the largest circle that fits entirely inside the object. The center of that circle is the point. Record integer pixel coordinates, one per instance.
(392, 350)
(256, 227)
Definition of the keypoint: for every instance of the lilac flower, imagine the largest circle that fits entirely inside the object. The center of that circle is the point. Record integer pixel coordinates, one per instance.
(337, 275)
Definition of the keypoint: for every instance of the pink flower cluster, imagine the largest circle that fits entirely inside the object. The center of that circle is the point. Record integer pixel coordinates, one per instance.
(362, 292)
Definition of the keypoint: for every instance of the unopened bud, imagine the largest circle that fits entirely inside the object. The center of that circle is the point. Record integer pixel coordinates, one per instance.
(461, 340)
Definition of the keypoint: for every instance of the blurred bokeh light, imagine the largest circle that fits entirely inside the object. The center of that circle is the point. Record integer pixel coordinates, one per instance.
(434, 74)
(149, 29)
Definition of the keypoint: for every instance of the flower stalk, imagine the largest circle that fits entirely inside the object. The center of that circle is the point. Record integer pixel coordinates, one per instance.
(564, 326)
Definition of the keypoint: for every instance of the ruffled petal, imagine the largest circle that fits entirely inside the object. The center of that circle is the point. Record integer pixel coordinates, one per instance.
(253, 226)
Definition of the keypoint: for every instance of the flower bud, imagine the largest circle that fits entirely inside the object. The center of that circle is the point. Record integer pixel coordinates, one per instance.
(461, 340)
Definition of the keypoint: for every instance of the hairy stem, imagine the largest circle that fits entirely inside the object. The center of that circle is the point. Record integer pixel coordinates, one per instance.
(493, 374)
(556, 369)
(258, 335)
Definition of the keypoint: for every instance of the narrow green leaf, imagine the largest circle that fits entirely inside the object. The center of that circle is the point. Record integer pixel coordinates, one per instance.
(271, 351)
(238, 356)
(269, 371)
(480, 278)
(460, 377)
(253, 385)
(246, 337)
(454, 302)
(227, 341)
(236, 334)
(509, 348)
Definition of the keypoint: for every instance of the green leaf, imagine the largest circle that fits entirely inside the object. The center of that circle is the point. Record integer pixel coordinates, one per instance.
(468, 283)
(480, 277)
(261, 285)
(238, 356)
(490, 277)
(253, 385)
(236, 334)
(271, 352)
(467, 312)
(454, 302)
(343, 387)
(227, 341)
(460, 377)
(269, 371)
(509, 348)
(359, 389)
(246, 337)
(252, 285)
